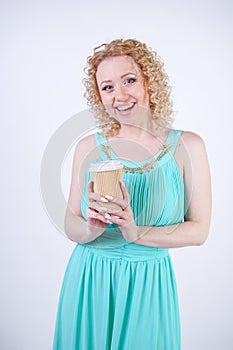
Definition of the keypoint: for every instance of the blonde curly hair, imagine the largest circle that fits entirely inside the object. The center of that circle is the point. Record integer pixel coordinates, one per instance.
(152, 70)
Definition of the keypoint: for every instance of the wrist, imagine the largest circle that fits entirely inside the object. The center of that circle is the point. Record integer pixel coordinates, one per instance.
(92, 231)
(130, 232)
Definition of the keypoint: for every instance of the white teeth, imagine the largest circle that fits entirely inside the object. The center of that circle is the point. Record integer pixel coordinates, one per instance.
(124, 108)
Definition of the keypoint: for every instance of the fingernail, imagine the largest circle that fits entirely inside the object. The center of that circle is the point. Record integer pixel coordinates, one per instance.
(104, 200)
(107, 216)
(103, 209)
(109, 222)
(108, 197)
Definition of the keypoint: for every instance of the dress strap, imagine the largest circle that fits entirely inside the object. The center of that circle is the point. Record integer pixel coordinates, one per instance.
(173, 139)
(101, 141)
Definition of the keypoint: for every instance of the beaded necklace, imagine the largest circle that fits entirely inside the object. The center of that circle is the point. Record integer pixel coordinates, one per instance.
(146, 167)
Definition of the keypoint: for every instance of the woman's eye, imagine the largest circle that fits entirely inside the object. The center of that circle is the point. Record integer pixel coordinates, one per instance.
(129, 81)
(107, 88)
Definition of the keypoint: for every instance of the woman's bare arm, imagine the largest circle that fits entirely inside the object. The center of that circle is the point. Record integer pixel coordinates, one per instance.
(76, 227)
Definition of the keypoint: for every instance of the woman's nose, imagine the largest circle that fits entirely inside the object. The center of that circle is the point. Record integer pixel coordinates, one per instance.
(120, 93)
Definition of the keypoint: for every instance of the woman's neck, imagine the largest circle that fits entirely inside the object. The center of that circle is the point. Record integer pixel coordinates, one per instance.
(136, 132)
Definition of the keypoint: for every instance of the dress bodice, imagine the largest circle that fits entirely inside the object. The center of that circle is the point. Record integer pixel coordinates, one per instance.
(157, 195)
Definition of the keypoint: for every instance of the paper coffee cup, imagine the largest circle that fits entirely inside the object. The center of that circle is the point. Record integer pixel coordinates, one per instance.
(106, 176)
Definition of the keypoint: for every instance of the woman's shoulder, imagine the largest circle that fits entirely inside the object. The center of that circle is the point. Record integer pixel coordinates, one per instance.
(191, 138)
(86, 145)
(87, 140)
(191, 151)
(191, 142)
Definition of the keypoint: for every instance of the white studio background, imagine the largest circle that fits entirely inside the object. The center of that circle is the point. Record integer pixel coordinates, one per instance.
(44, 45)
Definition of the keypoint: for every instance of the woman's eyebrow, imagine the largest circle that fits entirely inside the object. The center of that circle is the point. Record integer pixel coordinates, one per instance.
(124, 75)
(105, 81)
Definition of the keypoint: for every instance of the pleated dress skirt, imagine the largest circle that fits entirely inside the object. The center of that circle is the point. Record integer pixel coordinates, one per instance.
(119, 298)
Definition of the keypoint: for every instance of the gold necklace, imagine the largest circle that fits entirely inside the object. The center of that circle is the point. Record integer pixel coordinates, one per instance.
(146, 167)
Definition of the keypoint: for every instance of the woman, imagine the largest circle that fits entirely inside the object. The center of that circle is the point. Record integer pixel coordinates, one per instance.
(119, 290)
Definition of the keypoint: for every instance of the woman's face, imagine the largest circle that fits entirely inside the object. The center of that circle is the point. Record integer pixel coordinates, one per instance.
(121, 87)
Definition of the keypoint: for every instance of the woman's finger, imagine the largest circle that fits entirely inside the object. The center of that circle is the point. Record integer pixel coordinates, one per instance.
(95, 197)
(120, 202)
(92, 196)
(90, 186)
(92, 214)
(125, 193)
(95, 206)
(111, 216)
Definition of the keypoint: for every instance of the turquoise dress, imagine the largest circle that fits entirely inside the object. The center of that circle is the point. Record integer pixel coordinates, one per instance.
(118, 295)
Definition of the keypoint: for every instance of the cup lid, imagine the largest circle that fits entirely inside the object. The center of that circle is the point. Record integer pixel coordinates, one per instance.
(106, 165)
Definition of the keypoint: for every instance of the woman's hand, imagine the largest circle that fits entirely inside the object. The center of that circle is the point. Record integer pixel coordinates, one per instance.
(123, 216)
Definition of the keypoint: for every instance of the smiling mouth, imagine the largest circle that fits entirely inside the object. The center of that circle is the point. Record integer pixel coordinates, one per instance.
(125, 107)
